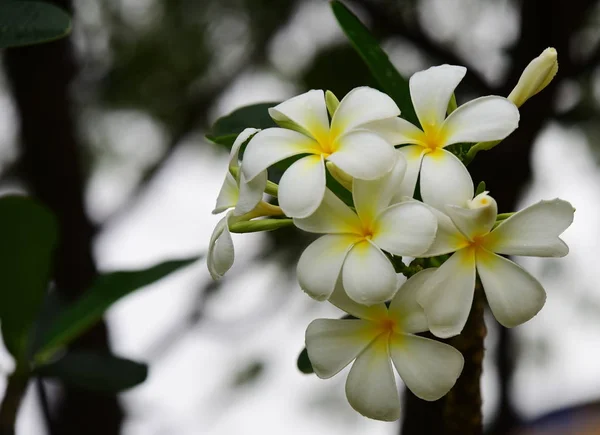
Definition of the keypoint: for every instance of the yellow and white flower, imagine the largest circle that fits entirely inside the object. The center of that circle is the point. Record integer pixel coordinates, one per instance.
(514, 296)
(353, 246)
(380, 334)
(356, 150)
(444, 179)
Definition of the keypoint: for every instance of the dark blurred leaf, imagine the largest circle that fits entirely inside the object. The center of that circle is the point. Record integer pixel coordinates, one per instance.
(96, 371)
(303, 363)
(106, 290)
(376, 59)
(28, 234)
(31, 22)
(339, 190)
(249, 374)
(226, 129)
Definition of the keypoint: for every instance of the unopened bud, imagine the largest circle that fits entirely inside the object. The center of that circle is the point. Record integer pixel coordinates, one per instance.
(536, 76)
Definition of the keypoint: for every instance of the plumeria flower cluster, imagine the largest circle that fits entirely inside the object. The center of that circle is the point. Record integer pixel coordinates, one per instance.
(384, 163)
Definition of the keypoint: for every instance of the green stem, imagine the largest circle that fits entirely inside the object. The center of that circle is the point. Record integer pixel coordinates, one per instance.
(15, 390)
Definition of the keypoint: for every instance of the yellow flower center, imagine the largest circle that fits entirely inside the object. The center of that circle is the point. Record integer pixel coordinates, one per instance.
(387, 325)
(433, 138)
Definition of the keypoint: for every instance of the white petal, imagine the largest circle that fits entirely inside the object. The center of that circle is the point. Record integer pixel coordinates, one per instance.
(320, 264)
(431, 90)
(340, 299)
(371, 388)
(533, 231)
(413, 155)
(404, 307)
(333, 344)
(251, 193)
(307, 111)
(368, 276)
(428, 368)
(396, 131)
(220, 249)
(302, 187)
(272, 145)
(239, 141)
(373, 196)
(447, 238)
(228, 195)
(514, 296)
(405, 229)
(360, 106)
(473, 222)
(480, 120)
(445, 180)
(363, 154)
(447, 295)
(332, 216)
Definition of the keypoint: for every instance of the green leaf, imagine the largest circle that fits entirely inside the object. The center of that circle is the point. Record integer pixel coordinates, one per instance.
(106, 290)
(480, 188)
(376, 59)
(304, 364)
(28, 234)
(227, 128)
(96, 371)
(31, 22)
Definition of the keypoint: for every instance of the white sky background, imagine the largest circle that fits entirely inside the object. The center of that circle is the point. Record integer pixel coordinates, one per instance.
(257, 314)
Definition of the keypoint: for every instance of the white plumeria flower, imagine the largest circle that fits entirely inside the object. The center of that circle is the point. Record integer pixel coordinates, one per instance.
(354, 242)
(427, 367)
(444, 179)
(356, 150)
(514, 296)
(236, 194)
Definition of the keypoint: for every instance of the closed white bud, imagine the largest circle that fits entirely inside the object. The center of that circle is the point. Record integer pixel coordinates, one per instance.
(536, 76)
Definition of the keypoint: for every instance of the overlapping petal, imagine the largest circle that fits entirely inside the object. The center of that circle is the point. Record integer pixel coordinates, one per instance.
(250, 193)
(405, 229)
(363, 154)
(447, 295)
(321, 262)
(333, 343)
(474, 222)
(444, 180)
(368, 276)
(482, 119)
(239, 141)
(396, 131)
(360, 106)
(447, 238)
(427, 367)
(533, 231)
(273, 145)
(228, 195)
(404, 308)
(371, 388)
(307, 111)
(414, 156)
(340, 299)
(514, 296)
(431, 90)
(302, 187)
(332, 216)
(220, 249)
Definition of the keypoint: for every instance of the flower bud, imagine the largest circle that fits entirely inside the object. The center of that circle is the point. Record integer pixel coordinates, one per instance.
(536, 76)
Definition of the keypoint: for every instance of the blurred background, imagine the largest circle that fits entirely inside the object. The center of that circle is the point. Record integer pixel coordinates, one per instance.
(107, 127)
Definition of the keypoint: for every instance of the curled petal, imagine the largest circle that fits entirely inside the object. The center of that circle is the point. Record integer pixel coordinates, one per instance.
(228, 195)
(533, 231)
(513, 294)
(447, 238)
(371, 388)
(431, 90)
(239, 141)
(396, 131)
(333, 344)
(273, 145)
(404, 307)
(363, 154)
(368, 276)
(405, 229)
(360, 106)
(320, 264)
(332, 216)
(447, 295)
(445, 180)
(473, 222)
(340, 299)
(302, 187)
(481, 120)
(220, 249)
(414, 156)
(251, 193)
(307, 112)
(428, 368)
